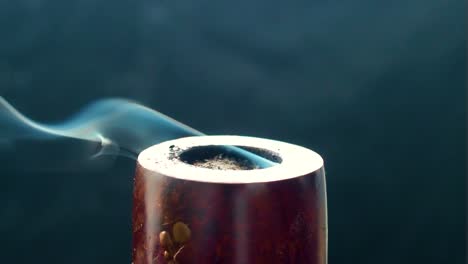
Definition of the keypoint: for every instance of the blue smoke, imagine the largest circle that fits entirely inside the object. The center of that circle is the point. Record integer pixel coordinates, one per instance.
(118, 126)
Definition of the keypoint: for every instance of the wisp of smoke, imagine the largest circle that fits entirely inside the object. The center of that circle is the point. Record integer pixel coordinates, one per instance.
(120, 127)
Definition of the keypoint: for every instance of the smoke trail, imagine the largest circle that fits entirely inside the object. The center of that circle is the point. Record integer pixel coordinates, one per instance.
(118, 126)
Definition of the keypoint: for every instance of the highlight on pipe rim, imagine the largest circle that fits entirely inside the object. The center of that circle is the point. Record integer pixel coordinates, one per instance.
(293, 160)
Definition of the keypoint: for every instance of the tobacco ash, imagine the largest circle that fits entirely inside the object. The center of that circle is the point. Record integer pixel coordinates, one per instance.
(221, 162)
(174, 152)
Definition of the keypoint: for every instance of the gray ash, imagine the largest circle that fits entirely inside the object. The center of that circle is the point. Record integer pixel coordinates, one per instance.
(174, 152)
(221, 162)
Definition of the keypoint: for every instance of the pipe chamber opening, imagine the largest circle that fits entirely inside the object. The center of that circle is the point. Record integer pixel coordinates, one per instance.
(226, 157)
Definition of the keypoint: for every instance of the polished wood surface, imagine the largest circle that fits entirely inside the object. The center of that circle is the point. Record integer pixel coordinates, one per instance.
(181, 221)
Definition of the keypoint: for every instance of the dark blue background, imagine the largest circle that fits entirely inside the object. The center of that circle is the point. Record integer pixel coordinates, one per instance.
(377, 88)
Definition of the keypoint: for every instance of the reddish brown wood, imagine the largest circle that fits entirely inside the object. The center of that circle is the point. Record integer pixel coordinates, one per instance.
(270, 222)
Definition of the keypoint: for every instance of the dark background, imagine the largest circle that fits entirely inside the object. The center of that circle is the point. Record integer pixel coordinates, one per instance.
(376, 87)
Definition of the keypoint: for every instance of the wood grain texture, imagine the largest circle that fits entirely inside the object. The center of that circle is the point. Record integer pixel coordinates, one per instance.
(261, 223)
